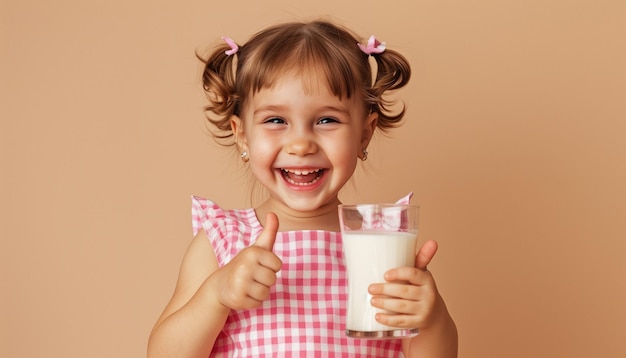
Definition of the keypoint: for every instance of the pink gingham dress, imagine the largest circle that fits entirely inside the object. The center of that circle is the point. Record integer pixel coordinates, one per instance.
(306, 312)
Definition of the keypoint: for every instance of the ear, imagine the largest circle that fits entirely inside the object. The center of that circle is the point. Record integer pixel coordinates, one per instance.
(236, 125)
(369, 127)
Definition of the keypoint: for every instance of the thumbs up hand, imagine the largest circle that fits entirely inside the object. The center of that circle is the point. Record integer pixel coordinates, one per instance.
(245, 282)
(268, 236)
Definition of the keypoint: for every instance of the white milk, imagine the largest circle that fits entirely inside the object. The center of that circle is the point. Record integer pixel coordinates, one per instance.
(368, 256)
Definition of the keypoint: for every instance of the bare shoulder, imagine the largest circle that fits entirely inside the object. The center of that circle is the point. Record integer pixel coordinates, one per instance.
(198, 263)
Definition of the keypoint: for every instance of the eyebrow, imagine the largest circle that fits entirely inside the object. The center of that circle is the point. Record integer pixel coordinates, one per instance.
(267, 108)
(272, 107)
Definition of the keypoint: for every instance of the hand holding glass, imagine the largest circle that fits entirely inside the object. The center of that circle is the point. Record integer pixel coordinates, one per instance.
(376, 239)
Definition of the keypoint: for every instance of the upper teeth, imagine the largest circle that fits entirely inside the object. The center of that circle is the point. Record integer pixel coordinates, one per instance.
(301, 172)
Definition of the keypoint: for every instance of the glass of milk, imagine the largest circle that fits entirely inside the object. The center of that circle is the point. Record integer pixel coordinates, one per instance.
(376, 238)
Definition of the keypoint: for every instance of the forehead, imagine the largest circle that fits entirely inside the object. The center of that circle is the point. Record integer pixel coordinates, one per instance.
(301, 93)
(310, 79)
(314, 79)
(313, 75)
(343, 75)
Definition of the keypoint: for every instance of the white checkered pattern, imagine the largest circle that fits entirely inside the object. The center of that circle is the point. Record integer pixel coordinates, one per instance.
(305, 315)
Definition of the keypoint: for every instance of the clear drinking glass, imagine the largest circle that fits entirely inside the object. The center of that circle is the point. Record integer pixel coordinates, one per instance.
(376, 238)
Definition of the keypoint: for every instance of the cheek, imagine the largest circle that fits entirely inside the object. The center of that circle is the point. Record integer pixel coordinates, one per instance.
(344, 154)
(262, 150)
(258, 142)
(262, 155)
(347, 147)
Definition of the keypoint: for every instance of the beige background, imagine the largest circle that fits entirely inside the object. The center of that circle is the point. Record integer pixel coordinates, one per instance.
(514, 146)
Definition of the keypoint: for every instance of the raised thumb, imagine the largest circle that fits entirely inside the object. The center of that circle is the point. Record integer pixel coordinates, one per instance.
(268, 236)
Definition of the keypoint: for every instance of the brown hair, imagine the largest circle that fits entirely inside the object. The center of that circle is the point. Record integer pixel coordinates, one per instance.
(318, 46)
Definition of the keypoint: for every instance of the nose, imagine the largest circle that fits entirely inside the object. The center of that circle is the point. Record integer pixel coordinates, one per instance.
(301, 146)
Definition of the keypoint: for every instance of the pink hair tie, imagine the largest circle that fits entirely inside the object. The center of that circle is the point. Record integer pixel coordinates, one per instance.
(373, 46)
(233, 46)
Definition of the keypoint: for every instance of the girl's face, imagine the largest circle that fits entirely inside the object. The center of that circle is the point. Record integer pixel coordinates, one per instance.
(303, 142)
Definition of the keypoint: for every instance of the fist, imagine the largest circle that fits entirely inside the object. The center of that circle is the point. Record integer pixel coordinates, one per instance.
(245, 282)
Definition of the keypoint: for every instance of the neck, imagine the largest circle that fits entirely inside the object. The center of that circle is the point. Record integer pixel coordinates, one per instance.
(322, 218)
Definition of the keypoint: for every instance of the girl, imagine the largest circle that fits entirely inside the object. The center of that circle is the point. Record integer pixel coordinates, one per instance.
(300, 105)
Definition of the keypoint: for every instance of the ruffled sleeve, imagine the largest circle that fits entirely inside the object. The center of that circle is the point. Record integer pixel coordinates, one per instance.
(229, 231)
(210, 217)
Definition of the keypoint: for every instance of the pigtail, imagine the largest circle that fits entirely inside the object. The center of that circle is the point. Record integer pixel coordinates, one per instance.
(232, 74)
(218, 82)
(393, 72)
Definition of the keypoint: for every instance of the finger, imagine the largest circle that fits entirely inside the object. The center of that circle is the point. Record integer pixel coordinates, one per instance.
(265, 276)
(398, 290)
(412, 275)
(266, 242)
(395, 306)
(268, 236)
(426, 254)
(258, 292)
(398, 320)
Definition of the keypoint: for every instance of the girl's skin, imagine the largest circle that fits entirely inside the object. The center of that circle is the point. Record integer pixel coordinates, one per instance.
(303, 144)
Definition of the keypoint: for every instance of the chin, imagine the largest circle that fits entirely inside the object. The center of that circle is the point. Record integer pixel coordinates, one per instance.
(310, 204)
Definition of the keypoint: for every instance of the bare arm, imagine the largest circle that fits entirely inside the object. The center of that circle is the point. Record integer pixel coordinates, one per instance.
(205, 294)
(440, 340)
(193, 318)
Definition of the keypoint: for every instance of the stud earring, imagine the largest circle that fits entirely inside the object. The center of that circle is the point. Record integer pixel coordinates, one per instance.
(244, 156)
(364, 158)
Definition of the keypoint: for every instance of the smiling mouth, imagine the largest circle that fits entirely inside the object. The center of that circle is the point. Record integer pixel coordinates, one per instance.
(302, 177)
